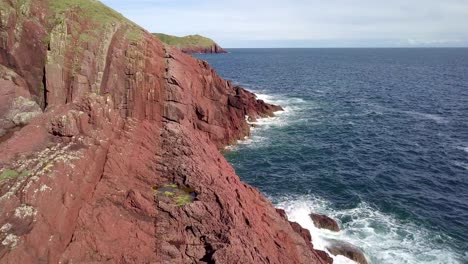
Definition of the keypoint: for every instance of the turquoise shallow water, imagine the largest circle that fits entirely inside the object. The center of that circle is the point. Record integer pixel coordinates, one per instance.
(377, 138)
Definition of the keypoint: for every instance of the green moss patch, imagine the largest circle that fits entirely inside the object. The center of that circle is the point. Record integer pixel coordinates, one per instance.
(177, 195)
(9, 174)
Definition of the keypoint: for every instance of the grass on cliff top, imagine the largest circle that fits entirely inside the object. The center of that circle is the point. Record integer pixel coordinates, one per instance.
(93, 9)
(96, 12)
(184, 42)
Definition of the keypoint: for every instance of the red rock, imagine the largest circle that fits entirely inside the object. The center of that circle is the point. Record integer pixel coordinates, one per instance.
(305, 234)
(325, 222)
(282, 213)
(200, 50)
(337, 247)
(131, 116)
(301, 231)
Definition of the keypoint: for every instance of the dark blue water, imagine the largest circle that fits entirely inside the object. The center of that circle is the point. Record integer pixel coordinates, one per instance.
(377, 138)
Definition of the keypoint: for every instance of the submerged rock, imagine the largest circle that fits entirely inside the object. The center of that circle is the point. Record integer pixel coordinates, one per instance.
(338, 247)
(325, 222)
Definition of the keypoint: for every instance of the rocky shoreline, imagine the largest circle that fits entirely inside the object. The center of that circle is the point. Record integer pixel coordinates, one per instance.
(109, 149)
(115, 157)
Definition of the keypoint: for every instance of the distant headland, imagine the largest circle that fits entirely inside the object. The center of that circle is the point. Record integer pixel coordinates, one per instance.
(191, 43)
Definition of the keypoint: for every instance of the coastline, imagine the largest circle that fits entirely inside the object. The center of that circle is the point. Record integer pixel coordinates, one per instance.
(296, 209)
(300, 176)
(123, 162)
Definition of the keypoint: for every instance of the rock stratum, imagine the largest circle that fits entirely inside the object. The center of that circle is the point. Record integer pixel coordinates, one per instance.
(191, 43)
(109, 148)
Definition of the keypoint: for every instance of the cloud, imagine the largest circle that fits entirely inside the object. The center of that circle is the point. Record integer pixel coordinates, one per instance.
(309, 22)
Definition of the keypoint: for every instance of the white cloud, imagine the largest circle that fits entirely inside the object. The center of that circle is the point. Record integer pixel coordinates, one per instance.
(232, 22)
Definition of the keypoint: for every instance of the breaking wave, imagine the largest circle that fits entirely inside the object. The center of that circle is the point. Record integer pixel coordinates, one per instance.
(259, 130)
(383, 238)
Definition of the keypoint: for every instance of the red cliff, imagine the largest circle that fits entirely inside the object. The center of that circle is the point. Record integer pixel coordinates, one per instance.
(109, 148)
(215, 48)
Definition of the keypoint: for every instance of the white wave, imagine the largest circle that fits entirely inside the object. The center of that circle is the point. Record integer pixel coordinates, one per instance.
(383, 238)
(463, 148)
(438, 119)
(265, 97)
(461, 164)
(279, 100)
(259, 137)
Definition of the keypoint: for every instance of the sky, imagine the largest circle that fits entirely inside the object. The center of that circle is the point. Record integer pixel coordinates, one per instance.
(306, 23)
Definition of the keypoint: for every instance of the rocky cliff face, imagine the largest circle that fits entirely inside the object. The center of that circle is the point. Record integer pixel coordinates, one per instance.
(109, 148)
(201, 50)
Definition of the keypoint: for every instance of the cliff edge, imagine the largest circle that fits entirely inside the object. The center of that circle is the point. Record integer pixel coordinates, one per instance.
(191, 43)
(109, 148)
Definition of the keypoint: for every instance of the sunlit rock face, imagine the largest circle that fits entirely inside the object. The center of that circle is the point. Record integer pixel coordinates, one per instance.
(99, 115)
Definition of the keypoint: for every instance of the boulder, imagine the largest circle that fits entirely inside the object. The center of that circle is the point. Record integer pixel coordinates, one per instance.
(324, 222)
(338, 247)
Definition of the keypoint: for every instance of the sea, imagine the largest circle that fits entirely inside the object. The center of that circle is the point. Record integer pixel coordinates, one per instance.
(374, 138)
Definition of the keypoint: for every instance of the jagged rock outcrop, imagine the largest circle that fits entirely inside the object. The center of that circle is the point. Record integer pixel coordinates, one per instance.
(116, 116)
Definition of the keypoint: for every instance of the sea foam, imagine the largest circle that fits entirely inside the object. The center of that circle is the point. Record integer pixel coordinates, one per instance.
(383, 238)
(258, 138)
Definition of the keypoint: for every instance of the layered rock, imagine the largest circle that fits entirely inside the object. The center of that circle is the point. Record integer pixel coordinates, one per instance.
(109, 115)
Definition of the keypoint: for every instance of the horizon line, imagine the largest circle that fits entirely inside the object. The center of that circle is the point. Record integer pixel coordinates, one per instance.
(436, 47)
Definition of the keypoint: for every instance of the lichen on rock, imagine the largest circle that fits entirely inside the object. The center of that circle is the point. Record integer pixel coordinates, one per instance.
(10, 240)
(5, 228)
(23, 110)
(25, 211)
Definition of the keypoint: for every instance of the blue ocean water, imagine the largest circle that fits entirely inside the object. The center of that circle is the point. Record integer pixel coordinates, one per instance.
(376, 138)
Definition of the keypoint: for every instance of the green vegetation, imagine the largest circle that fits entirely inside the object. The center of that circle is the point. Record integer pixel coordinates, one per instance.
(23, 6)
(172, 193)
(8, 174)
(20, 7)
(91, 9)
(183, 199)
(185, 42)
(168, 193)
(97, 13)
(134, 35)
